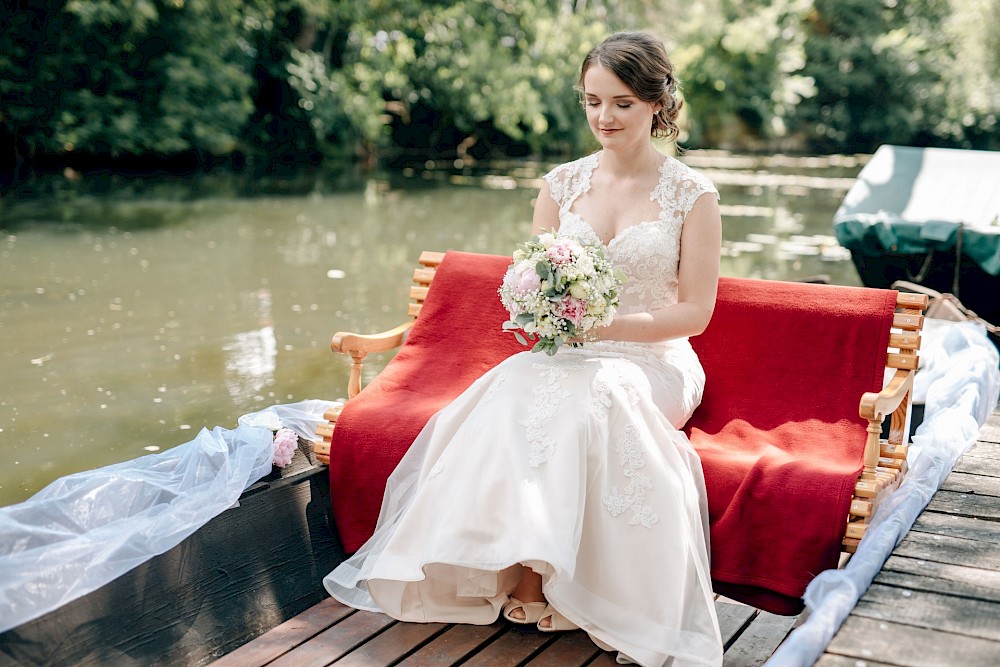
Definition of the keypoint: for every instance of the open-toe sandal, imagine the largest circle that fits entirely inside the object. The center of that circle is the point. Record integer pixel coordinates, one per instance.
(532, 611)
(557, 622)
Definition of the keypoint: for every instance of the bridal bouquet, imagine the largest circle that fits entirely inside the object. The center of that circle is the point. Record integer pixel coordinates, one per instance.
(557, 290)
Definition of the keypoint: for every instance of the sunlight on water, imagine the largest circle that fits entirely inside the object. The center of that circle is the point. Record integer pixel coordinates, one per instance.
(128, 323)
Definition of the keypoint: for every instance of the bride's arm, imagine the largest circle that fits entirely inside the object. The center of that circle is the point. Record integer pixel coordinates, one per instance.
(546, 214)
(697, 278)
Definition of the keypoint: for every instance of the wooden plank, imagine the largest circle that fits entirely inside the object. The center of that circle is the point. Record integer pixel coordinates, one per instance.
(286, 636)
(569, 650)
(963, 616)
(942, 578)
(984, 449)
(605, 660)
(979, 465)
(982, 485)
(335, 642)
(756, 644)
(454, 645)
(946, 549)
(990, 431)
(829, 660)
(968, 528)
(734, 618)
(866, 639)
(511, 648)
(965, 504)
(388, 647)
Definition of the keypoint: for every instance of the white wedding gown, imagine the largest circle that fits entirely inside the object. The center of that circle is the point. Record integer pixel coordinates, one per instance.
(572, 464)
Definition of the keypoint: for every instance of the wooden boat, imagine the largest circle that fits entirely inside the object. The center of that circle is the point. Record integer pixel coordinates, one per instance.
(246, 571)
(929, 216)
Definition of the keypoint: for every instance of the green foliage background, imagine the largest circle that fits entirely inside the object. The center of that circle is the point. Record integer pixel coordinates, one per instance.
(483, 78)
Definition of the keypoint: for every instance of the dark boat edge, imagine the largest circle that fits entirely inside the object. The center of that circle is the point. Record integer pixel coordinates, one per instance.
(246, 571)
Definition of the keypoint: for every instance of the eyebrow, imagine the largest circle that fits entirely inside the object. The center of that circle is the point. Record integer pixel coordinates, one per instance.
(616, 97)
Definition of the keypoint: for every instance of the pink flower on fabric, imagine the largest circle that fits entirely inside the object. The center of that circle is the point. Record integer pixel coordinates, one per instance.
(560, 252)
(285, 443)
(572, 309)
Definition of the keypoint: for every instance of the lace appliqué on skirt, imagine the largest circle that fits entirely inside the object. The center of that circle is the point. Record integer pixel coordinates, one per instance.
(548, 394)
(616, 502)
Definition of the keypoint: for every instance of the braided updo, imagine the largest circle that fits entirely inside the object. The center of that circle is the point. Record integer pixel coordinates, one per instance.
(640, 61)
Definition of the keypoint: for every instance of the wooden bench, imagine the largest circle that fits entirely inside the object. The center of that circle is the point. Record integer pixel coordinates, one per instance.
(884, 459)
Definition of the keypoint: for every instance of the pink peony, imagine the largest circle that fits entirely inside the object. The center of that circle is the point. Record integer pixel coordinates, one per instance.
(572, 309)
(285, 444)
(526, 278)
(560, 252)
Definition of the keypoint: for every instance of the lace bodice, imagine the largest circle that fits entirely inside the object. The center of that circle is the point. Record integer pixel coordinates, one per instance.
(648, 253)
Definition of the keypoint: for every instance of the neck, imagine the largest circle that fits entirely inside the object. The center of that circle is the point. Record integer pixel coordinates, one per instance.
(625, 163)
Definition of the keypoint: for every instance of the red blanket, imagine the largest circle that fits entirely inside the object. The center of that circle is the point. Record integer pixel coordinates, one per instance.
(455, 340)
(778, 430)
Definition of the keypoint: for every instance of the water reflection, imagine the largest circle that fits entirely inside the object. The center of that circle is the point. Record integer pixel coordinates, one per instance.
(251, 355)
(127, 324)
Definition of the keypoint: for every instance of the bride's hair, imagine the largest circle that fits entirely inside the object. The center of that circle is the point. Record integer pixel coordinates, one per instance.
(640, 61)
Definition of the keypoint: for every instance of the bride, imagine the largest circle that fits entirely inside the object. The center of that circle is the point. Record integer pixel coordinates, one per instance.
(559, 491)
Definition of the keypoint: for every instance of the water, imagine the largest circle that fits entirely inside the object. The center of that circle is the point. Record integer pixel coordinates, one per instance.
(132, 318)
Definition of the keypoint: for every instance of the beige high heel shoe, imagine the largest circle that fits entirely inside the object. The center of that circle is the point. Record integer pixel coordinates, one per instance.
(532, 611)
(557, 622)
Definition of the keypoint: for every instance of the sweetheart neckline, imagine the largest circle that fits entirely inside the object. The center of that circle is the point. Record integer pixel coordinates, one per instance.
(614, 238)
(595, 163)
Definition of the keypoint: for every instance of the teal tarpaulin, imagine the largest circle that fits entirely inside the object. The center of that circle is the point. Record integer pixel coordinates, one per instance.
(914, 200)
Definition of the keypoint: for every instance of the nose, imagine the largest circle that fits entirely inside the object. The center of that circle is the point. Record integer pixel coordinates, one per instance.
(606, 117)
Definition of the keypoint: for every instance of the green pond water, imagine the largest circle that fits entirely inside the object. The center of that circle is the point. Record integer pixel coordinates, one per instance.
(135, 313)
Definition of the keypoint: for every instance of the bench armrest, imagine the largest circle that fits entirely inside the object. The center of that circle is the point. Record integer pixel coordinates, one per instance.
(359, 345)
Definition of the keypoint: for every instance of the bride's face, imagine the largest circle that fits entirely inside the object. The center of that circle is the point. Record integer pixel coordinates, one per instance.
(617, 117)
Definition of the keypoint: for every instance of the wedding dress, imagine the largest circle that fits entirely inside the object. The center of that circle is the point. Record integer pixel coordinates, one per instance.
(571, 464)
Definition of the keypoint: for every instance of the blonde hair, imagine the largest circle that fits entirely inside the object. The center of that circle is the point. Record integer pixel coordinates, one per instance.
(640, 61)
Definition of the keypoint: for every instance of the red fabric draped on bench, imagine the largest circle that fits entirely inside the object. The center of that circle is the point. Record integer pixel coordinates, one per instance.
(778, 432)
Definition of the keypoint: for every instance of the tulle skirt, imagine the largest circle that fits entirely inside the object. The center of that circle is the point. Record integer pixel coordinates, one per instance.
(572, 465)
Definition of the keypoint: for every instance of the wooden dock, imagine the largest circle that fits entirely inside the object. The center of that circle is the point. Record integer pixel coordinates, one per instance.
(937, 599)
(935, 602)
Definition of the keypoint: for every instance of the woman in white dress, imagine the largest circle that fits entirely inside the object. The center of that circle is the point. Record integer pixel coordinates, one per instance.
(558, 490)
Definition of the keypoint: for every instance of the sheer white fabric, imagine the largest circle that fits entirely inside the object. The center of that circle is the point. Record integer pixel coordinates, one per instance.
(571, 464)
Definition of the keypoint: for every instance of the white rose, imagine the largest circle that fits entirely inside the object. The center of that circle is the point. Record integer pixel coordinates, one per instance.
(580, 290)
(546, 239)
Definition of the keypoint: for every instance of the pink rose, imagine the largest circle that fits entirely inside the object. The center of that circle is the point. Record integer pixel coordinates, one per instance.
(572, 309)
(560, 252)
(285, 443)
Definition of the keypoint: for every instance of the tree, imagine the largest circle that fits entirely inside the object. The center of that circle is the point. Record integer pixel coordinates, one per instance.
(878, 68)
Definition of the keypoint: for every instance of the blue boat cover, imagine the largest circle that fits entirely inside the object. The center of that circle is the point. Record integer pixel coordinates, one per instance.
(913, 200)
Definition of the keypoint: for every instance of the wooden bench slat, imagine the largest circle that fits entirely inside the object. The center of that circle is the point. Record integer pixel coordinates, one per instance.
(423, 276)
(912, 300)
(903, 361)
(904, 341)
(908, 321)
